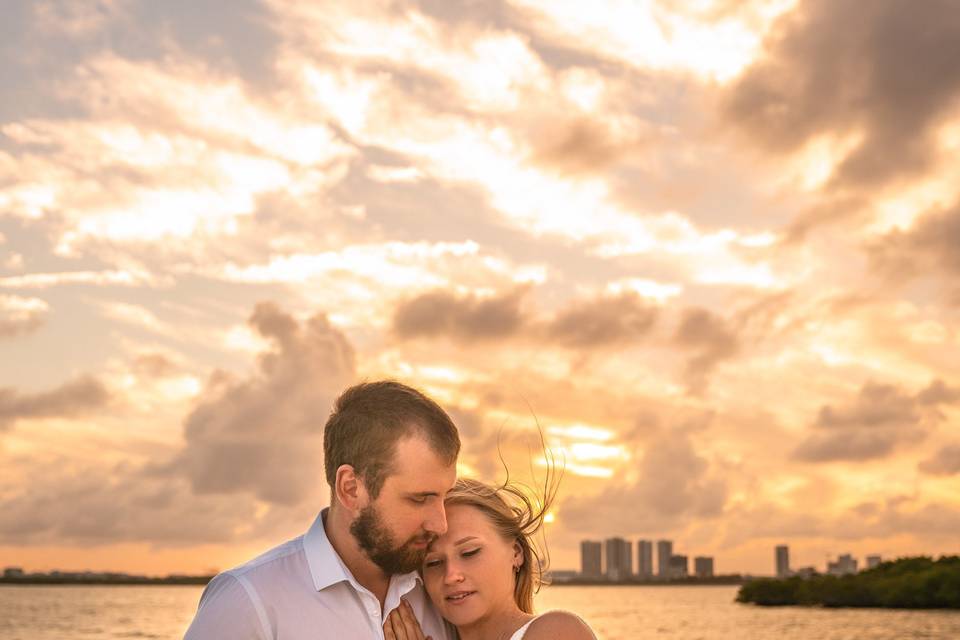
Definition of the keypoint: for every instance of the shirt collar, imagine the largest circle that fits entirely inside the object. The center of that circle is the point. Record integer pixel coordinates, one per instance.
(327, 568)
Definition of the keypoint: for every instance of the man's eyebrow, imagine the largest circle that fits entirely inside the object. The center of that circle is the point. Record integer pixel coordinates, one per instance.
(467, 539)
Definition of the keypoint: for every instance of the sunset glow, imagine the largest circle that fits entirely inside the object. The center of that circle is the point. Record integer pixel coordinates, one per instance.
(715, 267)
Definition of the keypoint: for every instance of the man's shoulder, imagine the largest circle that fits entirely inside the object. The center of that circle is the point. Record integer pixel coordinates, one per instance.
(279, 554)
(235, 604)
(255, 579)
(285, 559)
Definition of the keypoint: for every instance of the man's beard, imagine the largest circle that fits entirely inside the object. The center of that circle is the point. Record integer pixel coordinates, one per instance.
(375, 540)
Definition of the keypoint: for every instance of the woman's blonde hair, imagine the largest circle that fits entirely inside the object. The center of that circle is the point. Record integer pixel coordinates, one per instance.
(517, 512)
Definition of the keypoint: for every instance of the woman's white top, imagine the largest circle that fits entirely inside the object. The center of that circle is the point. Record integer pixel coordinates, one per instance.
(519, 633)
(522, 631)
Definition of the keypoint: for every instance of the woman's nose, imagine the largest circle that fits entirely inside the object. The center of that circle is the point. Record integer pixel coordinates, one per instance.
(454, 574)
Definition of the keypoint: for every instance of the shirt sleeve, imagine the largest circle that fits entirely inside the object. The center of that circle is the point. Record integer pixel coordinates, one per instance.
(227, 612)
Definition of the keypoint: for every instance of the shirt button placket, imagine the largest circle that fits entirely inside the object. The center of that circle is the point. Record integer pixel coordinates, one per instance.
(373, 610)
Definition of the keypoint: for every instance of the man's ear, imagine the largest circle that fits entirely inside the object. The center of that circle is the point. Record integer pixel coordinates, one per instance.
(349, 489)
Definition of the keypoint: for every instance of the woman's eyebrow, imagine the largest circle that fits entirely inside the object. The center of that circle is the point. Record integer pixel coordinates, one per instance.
(467, 539)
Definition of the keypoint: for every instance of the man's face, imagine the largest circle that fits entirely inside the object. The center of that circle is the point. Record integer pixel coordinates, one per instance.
(395, 529)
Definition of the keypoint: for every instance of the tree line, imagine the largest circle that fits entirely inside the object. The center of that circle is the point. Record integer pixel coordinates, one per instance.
(907, 583)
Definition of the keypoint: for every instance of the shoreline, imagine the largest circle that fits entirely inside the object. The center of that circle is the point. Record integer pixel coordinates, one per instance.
(123, 582)
(203, 580)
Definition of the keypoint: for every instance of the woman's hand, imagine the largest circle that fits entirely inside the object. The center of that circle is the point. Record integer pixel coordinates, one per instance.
(401, 624)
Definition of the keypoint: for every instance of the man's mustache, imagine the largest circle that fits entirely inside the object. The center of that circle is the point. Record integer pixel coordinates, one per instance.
(426, 537)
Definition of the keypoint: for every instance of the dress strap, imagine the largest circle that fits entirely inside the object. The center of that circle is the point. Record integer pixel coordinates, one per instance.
(519, 633)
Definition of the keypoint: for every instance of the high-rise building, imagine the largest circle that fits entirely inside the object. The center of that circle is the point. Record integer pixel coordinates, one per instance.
(664, 551)
(845, 565)
(873, 562)
(703, 567)
(783, 561)
(645, 559)
(678, 567)
(590, 556)
(619, 559)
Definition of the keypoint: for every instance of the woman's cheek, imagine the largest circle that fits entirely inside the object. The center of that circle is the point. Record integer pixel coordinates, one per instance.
(432, 584)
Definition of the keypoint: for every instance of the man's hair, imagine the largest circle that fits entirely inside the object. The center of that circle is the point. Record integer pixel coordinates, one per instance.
(369, 419)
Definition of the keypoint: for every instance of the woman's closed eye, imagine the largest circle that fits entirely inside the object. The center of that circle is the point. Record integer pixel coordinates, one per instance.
(431, 563)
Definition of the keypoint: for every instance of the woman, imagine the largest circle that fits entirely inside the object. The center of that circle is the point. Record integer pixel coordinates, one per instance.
(482, 573)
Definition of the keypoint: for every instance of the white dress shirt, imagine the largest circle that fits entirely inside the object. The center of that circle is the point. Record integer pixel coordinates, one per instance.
(300, 590)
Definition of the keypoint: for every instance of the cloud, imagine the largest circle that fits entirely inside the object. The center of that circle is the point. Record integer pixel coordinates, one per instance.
(943, 463)
(581, 145)
(938, 392)
(73, 18)
(190, 173)
(676, 485)
(19, 316)
(713, 340)
(467, 317)
(895, 515)
(263, 434)
(881, 418)
(154, 365)
(81, 503)
(884, 69)
(654, 36)
(931, 245)
(70, 400)
(97, 278)
(602, 321)
(250, 467)
(822, 212)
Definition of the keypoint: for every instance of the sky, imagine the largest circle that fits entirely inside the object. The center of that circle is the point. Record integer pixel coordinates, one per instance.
(710, 248)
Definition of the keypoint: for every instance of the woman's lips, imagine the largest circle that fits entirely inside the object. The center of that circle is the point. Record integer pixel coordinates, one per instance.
(459, 597)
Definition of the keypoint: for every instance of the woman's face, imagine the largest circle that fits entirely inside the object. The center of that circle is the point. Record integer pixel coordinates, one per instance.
(469, 570)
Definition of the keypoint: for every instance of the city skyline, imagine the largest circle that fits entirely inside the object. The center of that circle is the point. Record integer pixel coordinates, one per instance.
(613, 560)
(709, 249)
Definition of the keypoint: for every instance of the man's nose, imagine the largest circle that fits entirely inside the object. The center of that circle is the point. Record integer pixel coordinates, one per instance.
(437, 522)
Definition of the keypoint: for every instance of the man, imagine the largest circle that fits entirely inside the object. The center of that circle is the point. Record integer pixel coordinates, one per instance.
(390, 458)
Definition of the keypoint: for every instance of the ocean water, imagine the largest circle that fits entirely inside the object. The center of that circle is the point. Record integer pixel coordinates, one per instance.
(616, 613)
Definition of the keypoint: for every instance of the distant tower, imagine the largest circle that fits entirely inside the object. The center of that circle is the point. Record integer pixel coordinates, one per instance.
(873, 562)
(703, 566)
(590, 566)
(783, 561)
(619, 559)
(845, 565)
(678, 566)
(645, 559)
(664, 551)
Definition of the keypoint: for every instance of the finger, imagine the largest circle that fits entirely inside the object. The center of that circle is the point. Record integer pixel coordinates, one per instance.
(388, 633)
(399, 628)
(410, 626)
(410, 618)
(399, 625)
(419, 628)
